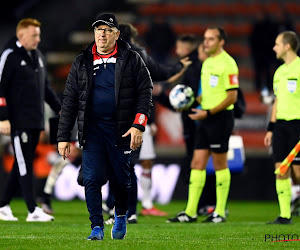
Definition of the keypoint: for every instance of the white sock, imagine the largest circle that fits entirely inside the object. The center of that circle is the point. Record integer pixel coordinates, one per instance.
(145, 181)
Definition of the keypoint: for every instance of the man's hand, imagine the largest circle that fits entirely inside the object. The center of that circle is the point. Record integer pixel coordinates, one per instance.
(199, 114)
(136, 137)
(268, 138)
(186, 62)
(64, 149)
(5, 127)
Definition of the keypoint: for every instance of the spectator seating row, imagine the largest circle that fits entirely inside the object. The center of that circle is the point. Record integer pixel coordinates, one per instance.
(222, 8)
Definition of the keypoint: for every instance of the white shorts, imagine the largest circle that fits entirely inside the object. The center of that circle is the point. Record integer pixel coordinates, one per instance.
(147, 149)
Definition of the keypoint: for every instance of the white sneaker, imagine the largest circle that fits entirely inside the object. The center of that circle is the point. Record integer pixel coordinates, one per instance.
(6, 214)
(39, 216)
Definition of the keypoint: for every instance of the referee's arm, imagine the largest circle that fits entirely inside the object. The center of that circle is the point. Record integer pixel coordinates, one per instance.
(230, 99)
(269, 134)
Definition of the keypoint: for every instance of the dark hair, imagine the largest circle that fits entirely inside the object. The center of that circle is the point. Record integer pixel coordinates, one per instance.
(127, 31)
(222, 33)
(190, 38)
(291, 38)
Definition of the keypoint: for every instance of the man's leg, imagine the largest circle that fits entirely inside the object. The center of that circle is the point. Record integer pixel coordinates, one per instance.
(121, 180)
(284, 193)
(24, 143)
(223, 179)
(132, 197)
(197, 180)
(12, 185)
(121, 183)
(94, 165)
(10, 189)
(92, 182)
(145, 181)
(108, 206)
(283, 140)
(93, 197)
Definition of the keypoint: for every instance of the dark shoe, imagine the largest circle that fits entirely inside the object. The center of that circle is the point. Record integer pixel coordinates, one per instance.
(97, 233)
(182, 217)
(45, 203)
(132, 219)
(214, 218)
(295, 205)
(206, 210)
(280, 220)
(118, 231)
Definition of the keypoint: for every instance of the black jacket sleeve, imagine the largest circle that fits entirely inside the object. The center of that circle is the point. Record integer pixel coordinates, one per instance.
(144, 88)
(69, 107)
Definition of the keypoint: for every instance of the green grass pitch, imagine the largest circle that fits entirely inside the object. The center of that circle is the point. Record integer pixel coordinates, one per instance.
(246, 228)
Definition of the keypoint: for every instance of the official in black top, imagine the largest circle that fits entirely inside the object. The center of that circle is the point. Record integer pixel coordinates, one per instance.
(23, 89)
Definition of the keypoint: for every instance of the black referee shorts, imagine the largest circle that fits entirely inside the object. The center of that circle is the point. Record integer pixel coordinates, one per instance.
(213, 133)
(286, 135)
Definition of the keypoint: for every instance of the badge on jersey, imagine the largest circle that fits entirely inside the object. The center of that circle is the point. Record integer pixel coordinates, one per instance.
(24, 137)
(213, 81)
(233, 79)
(292, 85)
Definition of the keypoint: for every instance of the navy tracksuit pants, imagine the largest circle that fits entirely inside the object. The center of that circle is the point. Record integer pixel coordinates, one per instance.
(102, 160)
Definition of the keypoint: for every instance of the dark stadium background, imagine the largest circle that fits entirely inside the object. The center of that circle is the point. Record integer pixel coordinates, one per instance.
(66, 29)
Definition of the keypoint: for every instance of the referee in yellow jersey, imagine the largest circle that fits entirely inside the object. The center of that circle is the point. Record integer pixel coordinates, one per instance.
(284, 126)
(219, 83)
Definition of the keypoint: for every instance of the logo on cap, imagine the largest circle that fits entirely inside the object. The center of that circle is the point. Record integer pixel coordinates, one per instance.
(108, 19)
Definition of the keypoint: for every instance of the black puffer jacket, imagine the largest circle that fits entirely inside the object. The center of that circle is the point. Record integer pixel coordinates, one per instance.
(133, 92)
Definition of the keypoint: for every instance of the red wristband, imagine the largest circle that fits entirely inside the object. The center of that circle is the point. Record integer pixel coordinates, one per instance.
(140, 119)
(2, 102)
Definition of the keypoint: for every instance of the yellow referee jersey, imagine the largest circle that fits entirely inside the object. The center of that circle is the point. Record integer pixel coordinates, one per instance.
(218, 74)
(286, 86)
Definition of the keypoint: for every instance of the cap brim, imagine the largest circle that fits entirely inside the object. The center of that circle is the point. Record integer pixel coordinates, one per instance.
(97, 23)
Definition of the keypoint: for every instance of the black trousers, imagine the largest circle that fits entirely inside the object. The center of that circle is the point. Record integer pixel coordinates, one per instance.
(24, 144)
(102, 161)
(132, 194)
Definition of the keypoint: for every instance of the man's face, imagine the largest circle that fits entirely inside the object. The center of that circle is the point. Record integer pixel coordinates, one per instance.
(30, 37)
(280, 48)
(183, 49)
(211, 43)
(105, 38)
